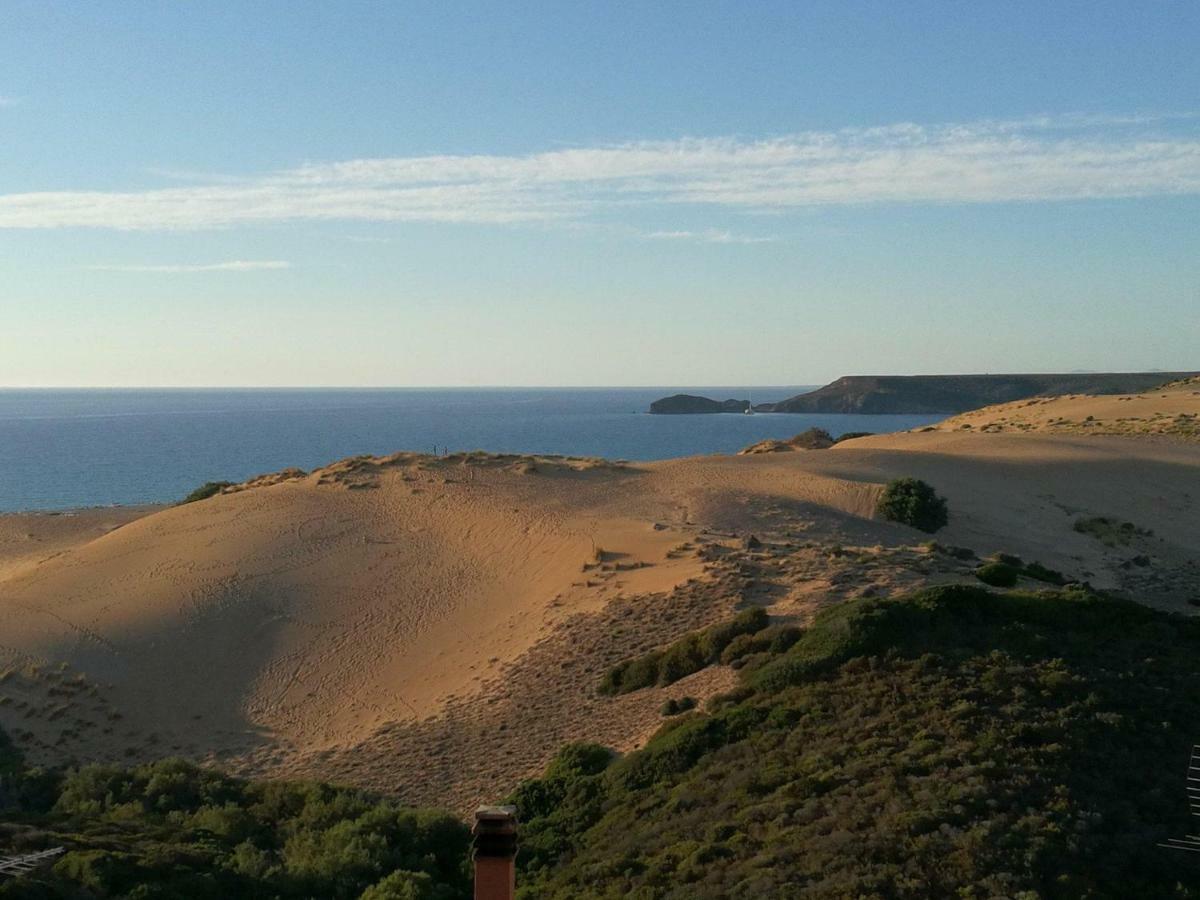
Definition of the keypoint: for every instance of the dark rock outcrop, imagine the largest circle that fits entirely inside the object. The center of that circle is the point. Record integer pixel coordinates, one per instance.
(680, 404)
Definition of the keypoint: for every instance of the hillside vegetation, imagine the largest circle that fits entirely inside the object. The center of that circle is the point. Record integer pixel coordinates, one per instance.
(172, 830)
(958, 743)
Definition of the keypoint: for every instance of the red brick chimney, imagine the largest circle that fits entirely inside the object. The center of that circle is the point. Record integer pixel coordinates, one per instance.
(495, 846)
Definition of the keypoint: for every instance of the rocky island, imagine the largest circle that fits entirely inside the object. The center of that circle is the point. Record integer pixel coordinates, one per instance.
(682, 404)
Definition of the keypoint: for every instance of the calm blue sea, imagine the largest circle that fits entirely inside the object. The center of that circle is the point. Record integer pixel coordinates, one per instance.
(61, 449)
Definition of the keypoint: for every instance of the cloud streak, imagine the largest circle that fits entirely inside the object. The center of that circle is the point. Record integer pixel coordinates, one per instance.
(1032, 160)
(235, 265)
(710, 236)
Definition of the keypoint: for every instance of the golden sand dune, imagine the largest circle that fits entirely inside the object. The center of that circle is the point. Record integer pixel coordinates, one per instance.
(435, 627)
(1173, 410)
(28, 540)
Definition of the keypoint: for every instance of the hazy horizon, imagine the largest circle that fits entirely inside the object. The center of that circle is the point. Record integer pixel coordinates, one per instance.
(534, 387)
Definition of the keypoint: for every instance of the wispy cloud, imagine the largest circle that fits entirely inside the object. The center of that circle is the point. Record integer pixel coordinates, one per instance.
(235, 265)
(1030, 160)
(710, 236)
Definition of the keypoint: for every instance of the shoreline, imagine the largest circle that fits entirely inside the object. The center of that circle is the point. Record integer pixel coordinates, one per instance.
(74, 511)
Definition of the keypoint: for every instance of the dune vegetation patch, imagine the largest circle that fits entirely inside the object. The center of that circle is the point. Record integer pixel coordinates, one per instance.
(913, 502)
(689, 654)
(172, 829)
(1111, 532)
(998, 574)
(811, 439)
(1004, 570)
(673, 707)
(206, 490)
(956, 742)
(852, 435)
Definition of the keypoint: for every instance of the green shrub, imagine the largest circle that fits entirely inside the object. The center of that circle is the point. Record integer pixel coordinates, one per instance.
(206, 490)
(911, 501)
(717, 637)
(773, 639)
(674, 707)
(963, 553)
(171, 829)
(100, 871)
(1110, 532)
(579, 759)
(403, 885)
(689, 654)
(998, 574)
(1039, 572)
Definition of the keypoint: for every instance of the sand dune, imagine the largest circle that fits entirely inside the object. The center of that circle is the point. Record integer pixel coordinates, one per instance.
(28, 540)
(1173, 410)
(435, 627)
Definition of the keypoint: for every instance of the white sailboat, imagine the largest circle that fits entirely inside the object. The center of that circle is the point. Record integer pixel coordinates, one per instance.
(749, 410)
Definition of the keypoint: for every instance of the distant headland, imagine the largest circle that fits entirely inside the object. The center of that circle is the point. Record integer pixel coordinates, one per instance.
(922, 394)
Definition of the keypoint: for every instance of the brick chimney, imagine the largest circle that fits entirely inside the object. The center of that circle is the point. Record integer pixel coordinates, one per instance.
(495, 853)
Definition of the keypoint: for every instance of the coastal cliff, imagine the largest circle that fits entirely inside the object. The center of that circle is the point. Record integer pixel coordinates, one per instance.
(926, 394)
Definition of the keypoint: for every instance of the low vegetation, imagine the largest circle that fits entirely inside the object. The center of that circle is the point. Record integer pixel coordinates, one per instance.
(1038, 572)
(1110, 532)
(998, 574)
(963, 553)
(689, 654)
(956, 743)
(851, 435)
(1004, 570)
(674, 707)
(913, 502)
(172, 830)
(813, 439)
(206, 490)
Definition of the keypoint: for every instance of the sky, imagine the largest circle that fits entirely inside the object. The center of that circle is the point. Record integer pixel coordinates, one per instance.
(412, 194)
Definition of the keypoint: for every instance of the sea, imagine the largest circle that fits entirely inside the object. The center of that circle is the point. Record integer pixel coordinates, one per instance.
(69, 449)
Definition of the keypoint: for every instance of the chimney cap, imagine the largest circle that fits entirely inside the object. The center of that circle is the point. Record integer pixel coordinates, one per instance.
(495, 832)
(495, 814)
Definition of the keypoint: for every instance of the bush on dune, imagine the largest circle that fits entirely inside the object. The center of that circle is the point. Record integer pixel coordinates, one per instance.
(998, 574)
(813, 439)
(206, 490)
(912, 502)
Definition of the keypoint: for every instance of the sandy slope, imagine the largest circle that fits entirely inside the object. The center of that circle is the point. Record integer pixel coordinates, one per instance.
(313, 612)
(28, 540)
(436, 627)
(1173, 410)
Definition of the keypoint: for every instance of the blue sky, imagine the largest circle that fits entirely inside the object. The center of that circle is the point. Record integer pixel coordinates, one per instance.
(573, 193)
